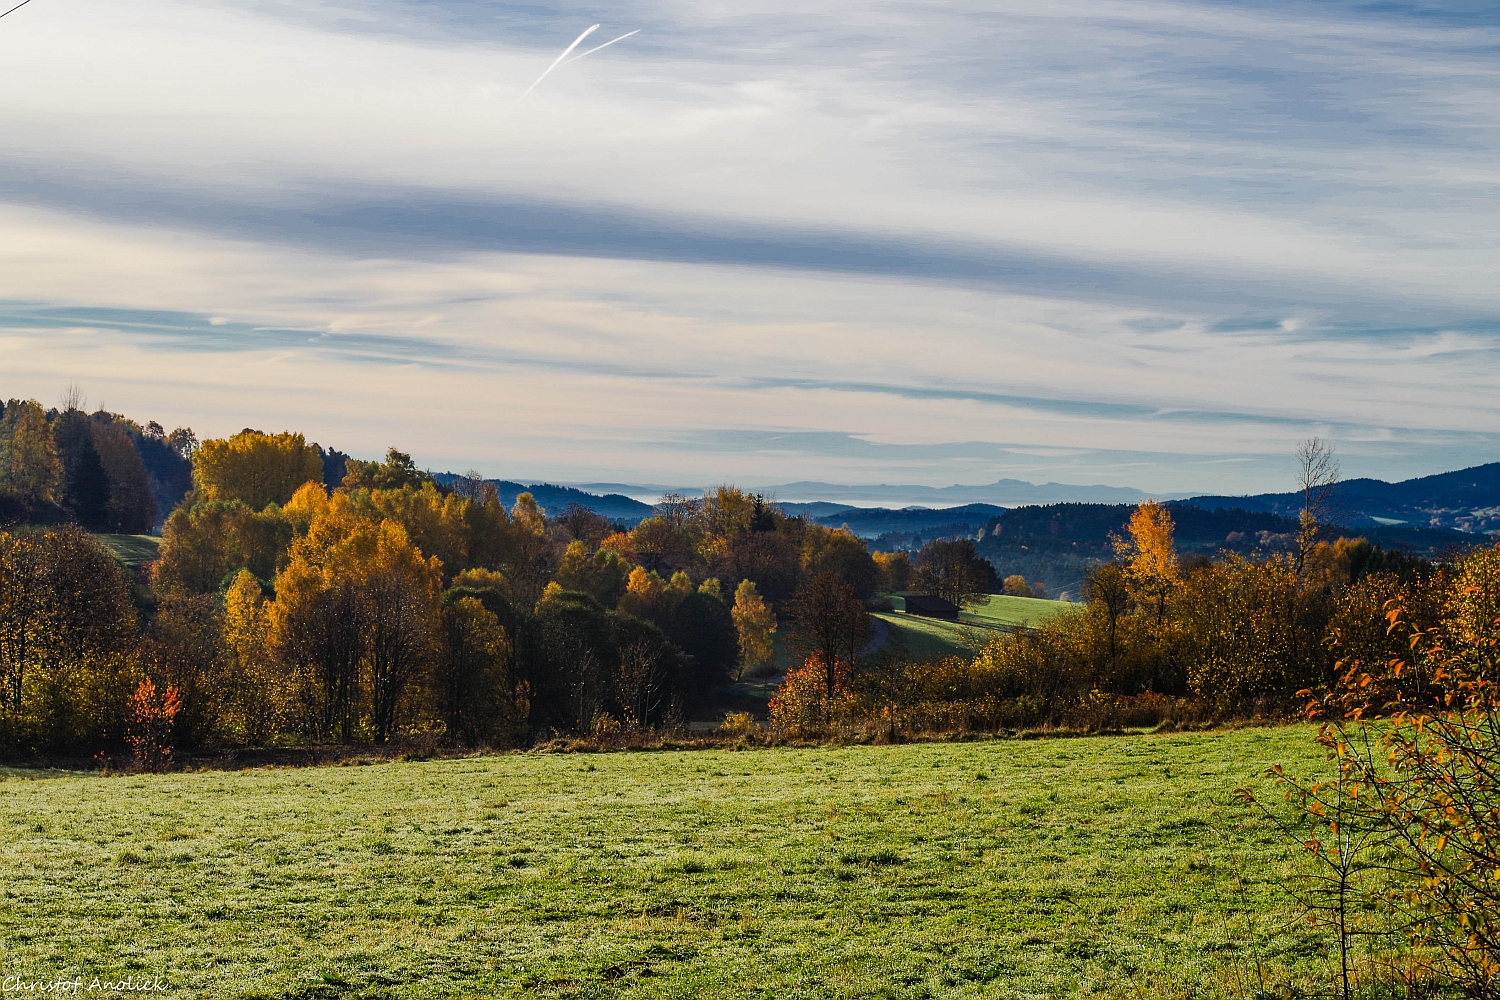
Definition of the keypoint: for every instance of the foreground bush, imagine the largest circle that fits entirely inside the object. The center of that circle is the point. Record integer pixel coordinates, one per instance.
(1408, 829)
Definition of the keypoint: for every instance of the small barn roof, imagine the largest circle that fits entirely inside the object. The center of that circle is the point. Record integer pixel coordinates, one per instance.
(925, 604)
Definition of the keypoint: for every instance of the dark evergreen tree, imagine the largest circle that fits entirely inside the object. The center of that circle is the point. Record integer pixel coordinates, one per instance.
(85, 483)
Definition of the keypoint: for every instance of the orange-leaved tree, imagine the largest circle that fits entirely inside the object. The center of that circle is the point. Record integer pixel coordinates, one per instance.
(1408, 827)
(1150, 556)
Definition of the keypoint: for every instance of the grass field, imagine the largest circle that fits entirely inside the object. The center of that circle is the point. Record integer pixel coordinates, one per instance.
(923, 637)
(132, 550)
(1008, 868)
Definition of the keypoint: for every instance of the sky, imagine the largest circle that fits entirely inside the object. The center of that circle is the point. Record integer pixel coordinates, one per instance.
(1141, 244)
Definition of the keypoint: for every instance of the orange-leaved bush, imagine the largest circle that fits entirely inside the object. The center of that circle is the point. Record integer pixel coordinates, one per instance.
(149, 717)
(803, 702)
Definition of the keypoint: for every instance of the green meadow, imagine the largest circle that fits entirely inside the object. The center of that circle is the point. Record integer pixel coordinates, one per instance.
(916, 636)
(132, 550)
(1102, 866)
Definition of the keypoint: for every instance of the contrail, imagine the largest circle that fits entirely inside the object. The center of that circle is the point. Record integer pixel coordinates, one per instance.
(606, 45)
(549, 69)
(25, 2)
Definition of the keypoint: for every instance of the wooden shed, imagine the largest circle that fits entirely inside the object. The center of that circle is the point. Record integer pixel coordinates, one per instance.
(931, 607)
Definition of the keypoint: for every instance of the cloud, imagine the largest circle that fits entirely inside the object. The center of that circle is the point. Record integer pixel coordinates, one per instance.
(1164, 238)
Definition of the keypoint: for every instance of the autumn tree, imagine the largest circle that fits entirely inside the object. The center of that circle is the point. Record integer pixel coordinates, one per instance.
(667, 544)
(530, 557)
(259, 697)
(255, 468)
(895, 569)
(183, 648)
(398, 471)
(67, 638)
(400, 591)
(844, 554)
(583, 525)
(829, 622)
(1150, 556)
(754, 623)
(31, 473)
(603, 575)
(644, 589)
(952, 569)
(357, 612)
(151, 720)
(471, 680)
(27, 610)
(770, 558)
(1317, 481)
(1107, 593)
(435, 522)
(202, 547)
(647, 668)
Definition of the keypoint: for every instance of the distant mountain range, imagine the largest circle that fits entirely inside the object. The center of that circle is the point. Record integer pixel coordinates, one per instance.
(1467, 500)
(555, 499)
(1002, 493)
(873, 522)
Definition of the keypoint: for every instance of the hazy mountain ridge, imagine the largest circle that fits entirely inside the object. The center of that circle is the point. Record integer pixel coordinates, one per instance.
(554, 499)
(1001, 493)
(1466, 500)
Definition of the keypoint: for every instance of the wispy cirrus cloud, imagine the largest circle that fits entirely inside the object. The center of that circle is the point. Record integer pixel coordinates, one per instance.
(1181, 234)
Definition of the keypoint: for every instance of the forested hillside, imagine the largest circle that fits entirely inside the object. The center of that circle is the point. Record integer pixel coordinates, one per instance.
(1059, 544)
(300, 595)
(1466, 500)
(100, 470)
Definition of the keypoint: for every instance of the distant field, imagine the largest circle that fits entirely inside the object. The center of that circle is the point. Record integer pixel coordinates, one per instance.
(922, 637)
(132, 550)
(1024, 868)
(1014, 610)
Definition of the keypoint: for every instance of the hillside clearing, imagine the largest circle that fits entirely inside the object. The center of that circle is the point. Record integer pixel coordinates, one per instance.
(1000, 868)
(920, 637)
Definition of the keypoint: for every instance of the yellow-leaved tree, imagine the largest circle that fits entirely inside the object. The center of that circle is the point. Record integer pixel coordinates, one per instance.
(602, 575)
(30, 470)
(1150, 556)
(357, 617)
(258, 691)
(755, 623)
(255, 468)
(644, 589)
(435, 522)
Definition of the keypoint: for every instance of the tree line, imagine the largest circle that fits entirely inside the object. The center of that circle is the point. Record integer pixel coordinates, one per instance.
(282, 610)
(285, 609)
(99, 470)
(1160, 637)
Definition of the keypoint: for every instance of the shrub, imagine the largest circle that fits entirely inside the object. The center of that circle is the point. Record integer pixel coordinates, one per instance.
(150, 718)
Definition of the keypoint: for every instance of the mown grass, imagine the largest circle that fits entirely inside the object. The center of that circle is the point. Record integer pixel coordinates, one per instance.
(919, 637)
(132, 550)
(1116, 866)
(1005, 610)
